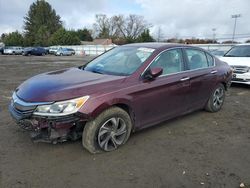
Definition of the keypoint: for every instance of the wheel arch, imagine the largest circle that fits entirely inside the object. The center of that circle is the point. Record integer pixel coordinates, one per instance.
(121, 103)
(127, 108)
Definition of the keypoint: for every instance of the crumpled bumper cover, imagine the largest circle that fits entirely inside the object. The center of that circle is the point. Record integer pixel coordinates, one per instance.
(49, 129)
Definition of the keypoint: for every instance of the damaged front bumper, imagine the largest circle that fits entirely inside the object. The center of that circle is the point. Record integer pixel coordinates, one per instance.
(44, 128)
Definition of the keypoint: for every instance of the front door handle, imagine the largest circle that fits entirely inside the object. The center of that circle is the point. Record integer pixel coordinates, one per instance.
(214, 71)
(184, 79)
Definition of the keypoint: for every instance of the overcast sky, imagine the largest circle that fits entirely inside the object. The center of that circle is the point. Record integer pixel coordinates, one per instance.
(176, 18)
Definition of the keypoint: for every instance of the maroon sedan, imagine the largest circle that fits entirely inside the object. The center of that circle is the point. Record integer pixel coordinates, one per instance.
(128, 88)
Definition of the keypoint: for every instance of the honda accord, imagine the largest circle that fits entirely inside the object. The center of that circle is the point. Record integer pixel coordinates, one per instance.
(126, 89)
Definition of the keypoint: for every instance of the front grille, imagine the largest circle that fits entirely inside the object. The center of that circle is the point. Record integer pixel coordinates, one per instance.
(22, 108)
(240, 69)
(240, 80)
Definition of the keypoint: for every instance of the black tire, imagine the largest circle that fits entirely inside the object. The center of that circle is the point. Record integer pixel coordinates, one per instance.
(216, 99)
(43, 54)
(93, 131)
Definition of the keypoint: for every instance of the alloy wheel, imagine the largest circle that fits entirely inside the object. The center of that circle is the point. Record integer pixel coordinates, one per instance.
(218, 98)
(112, 133)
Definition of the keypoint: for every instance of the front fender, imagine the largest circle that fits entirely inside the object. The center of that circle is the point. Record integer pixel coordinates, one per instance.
(95, 106)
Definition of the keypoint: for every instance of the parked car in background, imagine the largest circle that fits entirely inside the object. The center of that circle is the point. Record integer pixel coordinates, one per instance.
(47, 50)
(65, 51)
(217, 53)
(13, 50)
(34, 51)
(1, 50)
(128, 88)
(238, 57)
(53, 50)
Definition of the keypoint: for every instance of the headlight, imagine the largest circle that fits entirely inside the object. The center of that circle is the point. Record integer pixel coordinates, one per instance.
(61, 108)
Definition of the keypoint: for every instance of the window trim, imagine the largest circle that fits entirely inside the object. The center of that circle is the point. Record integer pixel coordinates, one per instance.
(159, 55)
(184, 56)
(187, 60)
(207, 54)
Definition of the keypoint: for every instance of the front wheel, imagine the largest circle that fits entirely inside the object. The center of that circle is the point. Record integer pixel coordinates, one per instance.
(108, 131)
(216, 99)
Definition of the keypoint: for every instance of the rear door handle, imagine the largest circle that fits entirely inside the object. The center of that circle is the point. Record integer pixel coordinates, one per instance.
(184, 79)
(214, 71)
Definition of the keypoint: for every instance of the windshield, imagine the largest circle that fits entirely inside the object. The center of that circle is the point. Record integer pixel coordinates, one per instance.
(120, 61)
(239, 51)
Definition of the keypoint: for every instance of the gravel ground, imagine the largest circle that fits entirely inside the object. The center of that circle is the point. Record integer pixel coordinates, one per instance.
(197, 150)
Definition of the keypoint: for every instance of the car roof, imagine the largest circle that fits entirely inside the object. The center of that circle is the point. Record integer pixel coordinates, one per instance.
(157, 45)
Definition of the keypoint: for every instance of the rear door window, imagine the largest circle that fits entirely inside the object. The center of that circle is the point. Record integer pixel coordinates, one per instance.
(196, 59)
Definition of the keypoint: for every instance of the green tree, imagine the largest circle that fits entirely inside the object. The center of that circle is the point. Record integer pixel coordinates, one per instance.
(40, 23)
(13, 39)
(145, 37)
(42, 37)
(64, 37)
(84, 34)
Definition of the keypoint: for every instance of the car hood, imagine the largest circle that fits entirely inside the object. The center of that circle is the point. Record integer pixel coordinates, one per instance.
(235, 61)
(66, 84)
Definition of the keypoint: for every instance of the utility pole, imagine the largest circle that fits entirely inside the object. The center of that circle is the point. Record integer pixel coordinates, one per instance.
(159, 34)
(214, 29)
(235, 16)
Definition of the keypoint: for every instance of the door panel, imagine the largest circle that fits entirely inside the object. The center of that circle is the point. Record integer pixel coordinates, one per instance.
(160, 99)
(202, 78)
(165, 96)
(201, 85)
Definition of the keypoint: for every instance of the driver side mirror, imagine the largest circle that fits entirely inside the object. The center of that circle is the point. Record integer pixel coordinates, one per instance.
(152, 73)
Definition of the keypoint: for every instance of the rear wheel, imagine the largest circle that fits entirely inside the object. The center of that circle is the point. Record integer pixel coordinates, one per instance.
(108, 131)
(216, 99)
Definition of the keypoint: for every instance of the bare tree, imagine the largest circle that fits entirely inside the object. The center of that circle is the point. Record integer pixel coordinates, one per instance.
(132, 26)
(105, 27)
(114, 30)
(101, 25)
(119, 26)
